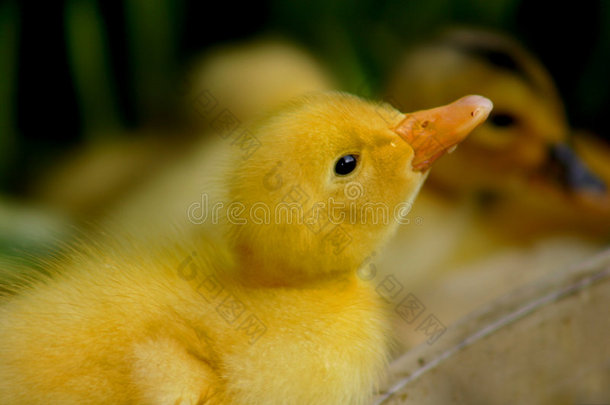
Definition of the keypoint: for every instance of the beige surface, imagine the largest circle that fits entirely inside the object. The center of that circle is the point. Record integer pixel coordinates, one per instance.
(548, 343)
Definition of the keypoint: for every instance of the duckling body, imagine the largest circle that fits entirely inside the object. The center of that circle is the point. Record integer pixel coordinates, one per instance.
(146, 332)
(252, 312)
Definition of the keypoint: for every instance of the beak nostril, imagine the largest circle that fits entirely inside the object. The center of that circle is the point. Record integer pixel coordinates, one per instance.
(476, 112)
(425, 124)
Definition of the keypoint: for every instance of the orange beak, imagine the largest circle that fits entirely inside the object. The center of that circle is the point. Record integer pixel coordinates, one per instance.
(431, 133)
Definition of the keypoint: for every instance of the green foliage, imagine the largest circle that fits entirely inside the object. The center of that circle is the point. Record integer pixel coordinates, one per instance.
(9, 25)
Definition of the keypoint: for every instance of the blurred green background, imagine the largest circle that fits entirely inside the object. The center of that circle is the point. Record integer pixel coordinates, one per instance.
(77, 70)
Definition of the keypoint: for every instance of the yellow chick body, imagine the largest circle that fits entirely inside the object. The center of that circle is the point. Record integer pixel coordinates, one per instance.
(151, 332)
(257, 312)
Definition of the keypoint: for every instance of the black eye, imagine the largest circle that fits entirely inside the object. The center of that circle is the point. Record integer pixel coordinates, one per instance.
(346, 164)
(502, 120)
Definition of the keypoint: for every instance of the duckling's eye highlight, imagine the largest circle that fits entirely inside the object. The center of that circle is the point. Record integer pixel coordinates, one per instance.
(502, 120)
(346, 164)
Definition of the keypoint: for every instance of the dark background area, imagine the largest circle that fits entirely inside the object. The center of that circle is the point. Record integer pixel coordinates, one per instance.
(72, 70)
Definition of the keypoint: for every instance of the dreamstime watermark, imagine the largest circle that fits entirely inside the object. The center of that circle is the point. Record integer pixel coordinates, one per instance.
(235, 313)
(322, 217)
(220, 119)
(294, 209)
(228, 306)
(408, 307)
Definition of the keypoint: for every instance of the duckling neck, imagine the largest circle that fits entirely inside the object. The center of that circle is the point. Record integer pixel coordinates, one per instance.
(255, 272)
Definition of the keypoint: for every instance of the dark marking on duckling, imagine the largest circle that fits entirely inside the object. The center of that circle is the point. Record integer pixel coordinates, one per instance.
(573, 172)
(487, 199)
(499, 59)
(498, 55)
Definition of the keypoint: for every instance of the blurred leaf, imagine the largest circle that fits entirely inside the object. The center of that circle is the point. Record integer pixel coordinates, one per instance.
(89, 61)
(9, 27)
(152, 34)
(593, 87)
(28, 233)
(497, 13)
(363, 40)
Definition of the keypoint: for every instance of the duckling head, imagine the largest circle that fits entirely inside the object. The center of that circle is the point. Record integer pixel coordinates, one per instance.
(331, 179)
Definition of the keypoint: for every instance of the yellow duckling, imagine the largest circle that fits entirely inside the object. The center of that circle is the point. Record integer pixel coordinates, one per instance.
(513, 204)
(272, 311)
(249, 78)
